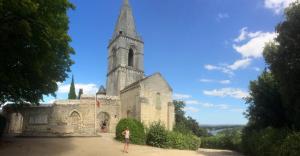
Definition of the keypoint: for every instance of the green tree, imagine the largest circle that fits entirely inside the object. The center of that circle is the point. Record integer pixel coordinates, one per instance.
(185, 124)
(283, 59)
(72, 94)
(179, 112)
(34, 48)
(265, 103)
(274, 102)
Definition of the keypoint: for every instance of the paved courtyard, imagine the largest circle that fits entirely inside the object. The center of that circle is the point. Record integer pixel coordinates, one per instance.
(90, 146)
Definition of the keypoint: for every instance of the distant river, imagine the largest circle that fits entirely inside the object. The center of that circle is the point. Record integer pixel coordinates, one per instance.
(215, 131)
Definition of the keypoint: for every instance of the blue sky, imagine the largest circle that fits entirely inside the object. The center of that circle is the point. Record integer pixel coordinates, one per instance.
(208, 50)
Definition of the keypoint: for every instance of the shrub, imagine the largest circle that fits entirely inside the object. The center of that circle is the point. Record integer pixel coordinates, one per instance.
(181, 128)
(214, 142)
(2, 124)
(193, 141)
(176, 140)
(182, 141)
(291, 145)
(157, 135)
(137, 131)
(228, 139)
(264, 142)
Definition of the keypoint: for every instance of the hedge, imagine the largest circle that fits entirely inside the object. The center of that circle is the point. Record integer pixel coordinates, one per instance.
(228, 139)
(181, 141)
(137, 131)
(291, 145)
(158, 136)
(266, 142)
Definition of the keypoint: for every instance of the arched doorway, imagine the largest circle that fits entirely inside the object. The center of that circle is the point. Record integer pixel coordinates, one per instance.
(75, 121)
(103, 122)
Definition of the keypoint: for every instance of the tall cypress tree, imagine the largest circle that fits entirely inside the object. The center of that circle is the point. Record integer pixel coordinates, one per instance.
(72, 94)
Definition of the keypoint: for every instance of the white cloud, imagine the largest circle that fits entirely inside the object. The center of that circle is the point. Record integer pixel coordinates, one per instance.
(207, 105)
(206, 80)
(243, 63)
(87, 88)
(278, 5)
(192, 102)
(191, 109)
(210, 67)
(210, 106)
(254, 47)
(242, 36)
(255, 42)
(222, 16)
(215, 81)
(221, 68)
(227, 92)
(228, 69)
(178, 96)
(250, 45)
(225, 81)
(222, 106)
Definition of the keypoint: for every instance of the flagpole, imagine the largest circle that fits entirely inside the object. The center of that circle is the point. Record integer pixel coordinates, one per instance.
(95, 114)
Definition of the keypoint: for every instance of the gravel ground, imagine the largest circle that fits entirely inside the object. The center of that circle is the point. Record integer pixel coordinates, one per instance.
(91, 146)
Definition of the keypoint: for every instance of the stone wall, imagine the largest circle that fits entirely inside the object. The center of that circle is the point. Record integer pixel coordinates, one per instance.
(63, 118)
(157, 96)
(66, 118)
(109, 105)
(171, 115)
(130, 106)
(149, 100)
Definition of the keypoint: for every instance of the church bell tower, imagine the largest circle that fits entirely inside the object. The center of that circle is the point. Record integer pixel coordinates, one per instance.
(125, 53)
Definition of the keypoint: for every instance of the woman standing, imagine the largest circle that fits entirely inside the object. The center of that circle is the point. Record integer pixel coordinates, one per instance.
(126, 133)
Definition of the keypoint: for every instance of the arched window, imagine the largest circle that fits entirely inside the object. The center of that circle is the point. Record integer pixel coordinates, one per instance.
(130, 58)
(128, 113)
(114, 55)
(158, 101)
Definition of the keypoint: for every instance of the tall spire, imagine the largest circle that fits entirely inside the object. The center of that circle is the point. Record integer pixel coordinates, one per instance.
(125, 23)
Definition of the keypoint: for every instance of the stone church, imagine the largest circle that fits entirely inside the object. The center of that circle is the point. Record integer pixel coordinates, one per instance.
(128, 93)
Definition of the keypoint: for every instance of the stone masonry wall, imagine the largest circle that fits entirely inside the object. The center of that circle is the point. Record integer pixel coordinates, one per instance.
(68, 117)
(156, 97)
(109, 105)
(130, 103)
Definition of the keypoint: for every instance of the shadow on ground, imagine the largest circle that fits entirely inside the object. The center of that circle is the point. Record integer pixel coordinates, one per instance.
(210, 152)
(16, 146)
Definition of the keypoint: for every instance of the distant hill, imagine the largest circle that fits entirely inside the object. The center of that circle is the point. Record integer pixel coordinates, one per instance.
(214, 129)
(220, 126)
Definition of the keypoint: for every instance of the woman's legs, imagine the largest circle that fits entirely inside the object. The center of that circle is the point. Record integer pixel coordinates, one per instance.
(126, 145)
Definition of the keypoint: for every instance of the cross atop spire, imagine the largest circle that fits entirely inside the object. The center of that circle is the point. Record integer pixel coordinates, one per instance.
(125, 24)
(126, 2)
